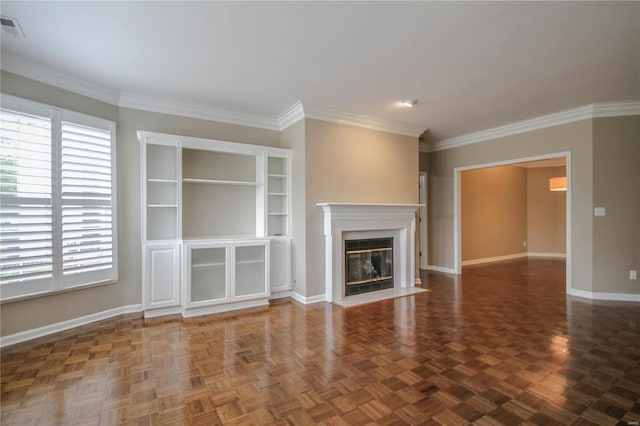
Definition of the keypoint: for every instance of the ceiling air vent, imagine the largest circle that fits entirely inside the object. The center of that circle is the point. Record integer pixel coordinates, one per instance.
(11, 26)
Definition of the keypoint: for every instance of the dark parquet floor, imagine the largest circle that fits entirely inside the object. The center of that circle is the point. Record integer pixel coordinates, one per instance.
(502, 344)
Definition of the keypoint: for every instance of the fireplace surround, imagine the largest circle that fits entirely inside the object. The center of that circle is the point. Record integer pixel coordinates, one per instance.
(348, 221)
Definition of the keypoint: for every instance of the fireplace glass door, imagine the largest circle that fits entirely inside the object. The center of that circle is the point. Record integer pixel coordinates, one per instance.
(369, 265)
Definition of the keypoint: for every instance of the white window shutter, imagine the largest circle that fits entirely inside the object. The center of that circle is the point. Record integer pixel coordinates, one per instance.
(26, 222)
(87, 205)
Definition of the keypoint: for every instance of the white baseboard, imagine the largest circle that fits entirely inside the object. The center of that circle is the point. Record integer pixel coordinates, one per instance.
(225, 307)
(514, 256)
(594, 295)
(441, 269)
(23, 336)
(306, 300)
(548, 255)
(493, 259)
(280, 294)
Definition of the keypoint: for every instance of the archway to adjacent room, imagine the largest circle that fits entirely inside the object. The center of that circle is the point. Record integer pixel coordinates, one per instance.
(523, 251)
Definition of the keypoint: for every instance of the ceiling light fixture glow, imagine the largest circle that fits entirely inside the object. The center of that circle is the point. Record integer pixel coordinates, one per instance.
(409, 103)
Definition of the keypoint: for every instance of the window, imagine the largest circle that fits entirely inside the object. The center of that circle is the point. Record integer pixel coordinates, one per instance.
(57, 200)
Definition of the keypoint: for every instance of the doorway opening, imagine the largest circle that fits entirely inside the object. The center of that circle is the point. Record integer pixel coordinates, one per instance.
(507, 210)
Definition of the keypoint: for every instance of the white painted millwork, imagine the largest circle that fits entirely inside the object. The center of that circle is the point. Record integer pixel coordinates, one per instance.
(195, 268)
(354, 221)
(280, 265)
(225, 273)
(161, 273)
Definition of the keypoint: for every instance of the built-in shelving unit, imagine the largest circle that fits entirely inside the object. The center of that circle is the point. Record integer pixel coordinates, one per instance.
(196, 193)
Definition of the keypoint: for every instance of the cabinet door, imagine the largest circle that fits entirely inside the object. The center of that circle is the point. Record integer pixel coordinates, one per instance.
(206, 275)
(250, 262)
(162, 275)
(280, 254)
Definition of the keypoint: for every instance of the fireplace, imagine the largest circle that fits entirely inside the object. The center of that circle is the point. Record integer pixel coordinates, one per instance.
(344, 222)
(368, 265)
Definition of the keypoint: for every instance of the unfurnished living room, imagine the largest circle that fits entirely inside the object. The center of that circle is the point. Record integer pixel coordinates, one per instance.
(301, 213)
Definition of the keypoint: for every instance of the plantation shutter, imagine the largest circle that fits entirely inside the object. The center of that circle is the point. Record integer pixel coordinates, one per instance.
(26, 209)
(87, 204)
(57, 199)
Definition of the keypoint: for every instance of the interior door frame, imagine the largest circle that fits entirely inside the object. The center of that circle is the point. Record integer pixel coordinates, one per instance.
(422, 228)
(457, 206)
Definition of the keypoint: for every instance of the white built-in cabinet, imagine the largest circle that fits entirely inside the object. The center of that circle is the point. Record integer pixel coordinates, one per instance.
(216, 221)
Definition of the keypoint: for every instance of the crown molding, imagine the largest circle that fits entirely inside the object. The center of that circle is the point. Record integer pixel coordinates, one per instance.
(43, 74)
(334, 115)
(598, 110)
(291, 115)
(146, 103)
(616, 109)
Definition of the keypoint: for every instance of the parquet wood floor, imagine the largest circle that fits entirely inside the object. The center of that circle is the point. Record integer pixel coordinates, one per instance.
(502, 344)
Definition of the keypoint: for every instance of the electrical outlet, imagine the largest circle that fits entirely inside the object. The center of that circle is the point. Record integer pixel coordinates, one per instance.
(524, 243)
(633, 275)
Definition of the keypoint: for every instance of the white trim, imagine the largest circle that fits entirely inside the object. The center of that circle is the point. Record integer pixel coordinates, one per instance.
(23, 336)
(52, 77)
(547, 255)
(605, 109)
(280, 294)
(594, 295)
(423, 215)
(291, 115)
(513, 256)
(493, 259)
(225, 307)
(442, 269)
(123, 99)
(307, 300)
(334, 115)
(162, 106)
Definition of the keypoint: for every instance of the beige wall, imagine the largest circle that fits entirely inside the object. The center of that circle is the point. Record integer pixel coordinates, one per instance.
(352, 165)
(616, 174)
(546, 212)
(573, 137)
(293, 138)
(494, 212)
(41, 311)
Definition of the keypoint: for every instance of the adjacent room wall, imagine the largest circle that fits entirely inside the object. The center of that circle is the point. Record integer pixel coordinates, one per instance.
(352, 165)
(574, 137)
(616, 175)
(546, 212)
(494, 212)
(40, 311)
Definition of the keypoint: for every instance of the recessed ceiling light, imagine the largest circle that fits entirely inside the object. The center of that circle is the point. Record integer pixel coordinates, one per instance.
(409, 103)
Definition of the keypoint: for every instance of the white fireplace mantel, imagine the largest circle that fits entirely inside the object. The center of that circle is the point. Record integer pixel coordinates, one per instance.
(362, 221)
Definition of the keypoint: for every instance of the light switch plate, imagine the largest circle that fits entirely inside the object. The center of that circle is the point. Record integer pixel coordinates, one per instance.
(599, 211)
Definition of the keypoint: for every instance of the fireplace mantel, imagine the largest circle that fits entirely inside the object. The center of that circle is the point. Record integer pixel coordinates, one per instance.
(362, 219)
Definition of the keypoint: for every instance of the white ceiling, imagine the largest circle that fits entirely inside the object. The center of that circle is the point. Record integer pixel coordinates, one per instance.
(471, 65)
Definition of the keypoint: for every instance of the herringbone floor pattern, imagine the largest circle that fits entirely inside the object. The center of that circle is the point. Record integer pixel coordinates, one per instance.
(500, 345)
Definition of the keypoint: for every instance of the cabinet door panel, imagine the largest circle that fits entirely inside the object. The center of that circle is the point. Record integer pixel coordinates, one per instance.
(162, 276)
(280, 265)
(250, 270)
(208, 278)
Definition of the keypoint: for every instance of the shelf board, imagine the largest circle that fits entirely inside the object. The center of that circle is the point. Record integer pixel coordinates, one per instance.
(204, 265)
(278, 214)
(162, 180)
(219, 182)
(278, 193)
(243, 262)
(277, 175)
(162, 205)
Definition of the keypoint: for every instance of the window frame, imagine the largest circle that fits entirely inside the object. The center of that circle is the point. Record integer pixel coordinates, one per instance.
(11, 292)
